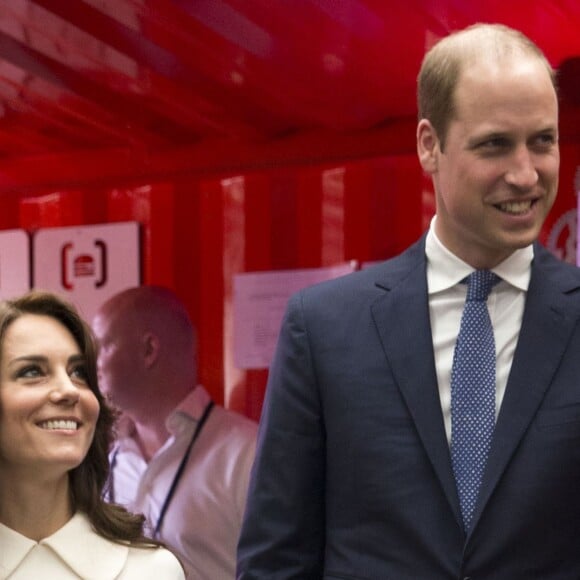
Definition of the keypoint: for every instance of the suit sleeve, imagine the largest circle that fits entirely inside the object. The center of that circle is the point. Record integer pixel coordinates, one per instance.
(283, 530)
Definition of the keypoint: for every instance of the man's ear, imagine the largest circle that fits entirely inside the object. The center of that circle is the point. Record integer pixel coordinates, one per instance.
(150, 347)
(428, 146)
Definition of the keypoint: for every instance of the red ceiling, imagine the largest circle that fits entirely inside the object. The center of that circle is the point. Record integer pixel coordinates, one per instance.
(159, 75)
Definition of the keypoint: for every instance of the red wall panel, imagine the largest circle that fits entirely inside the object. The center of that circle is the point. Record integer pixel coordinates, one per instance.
(152, 207)
(559, 233)
(283, 219)
(211, 287)
(55, 209)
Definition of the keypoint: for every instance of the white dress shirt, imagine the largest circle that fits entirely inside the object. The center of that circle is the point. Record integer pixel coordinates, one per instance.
(203, 520)
(76, 551)
(446, 300)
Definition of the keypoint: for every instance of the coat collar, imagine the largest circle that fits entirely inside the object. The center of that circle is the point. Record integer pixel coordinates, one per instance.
(401, 316)
(98, 558)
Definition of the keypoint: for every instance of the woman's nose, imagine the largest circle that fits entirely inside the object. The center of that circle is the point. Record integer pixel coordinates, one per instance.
(64, 390)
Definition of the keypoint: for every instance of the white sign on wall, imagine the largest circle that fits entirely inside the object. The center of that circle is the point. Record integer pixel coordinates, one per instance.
(260, 300)
(14, 263)
(87, 264)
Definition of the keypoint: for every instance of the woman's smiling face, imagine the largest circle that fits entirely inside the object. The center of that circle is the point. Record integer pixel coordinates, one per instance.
(48, 412)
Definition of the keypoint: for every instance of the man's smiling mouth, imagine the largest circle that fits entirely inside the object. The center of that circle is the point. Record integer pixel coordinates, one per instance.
(515, 207)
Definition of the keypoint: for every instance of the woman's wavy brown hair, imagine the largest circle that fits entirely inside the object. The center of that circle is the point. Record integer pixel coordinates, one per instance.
(90, 479)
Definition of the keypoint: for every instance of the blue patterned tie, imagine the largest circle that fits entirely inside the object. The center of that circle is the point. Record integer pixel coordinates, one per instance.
(473, 392)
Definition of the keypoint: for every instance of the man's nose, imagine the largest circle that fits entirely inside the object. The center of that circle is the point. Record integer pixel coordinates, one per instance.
(522, 172)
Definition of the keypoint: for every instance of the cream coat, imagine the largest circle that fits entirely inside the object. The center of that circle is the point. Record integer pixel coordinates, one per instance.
(76, 551)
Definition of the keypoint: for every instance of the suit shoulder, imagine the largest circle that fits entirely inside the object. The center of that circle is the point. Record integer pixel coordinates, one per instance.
(567, 274)
(368, 281)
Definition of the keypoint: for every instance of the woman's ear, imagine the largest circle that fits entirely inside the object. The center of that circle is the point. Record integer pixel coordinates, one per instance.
(150, 344)
(428, 146)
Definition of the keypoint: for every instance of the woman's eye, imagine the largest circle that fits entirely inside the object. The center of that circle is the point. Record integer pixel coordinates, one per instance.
(79, 373)
(29, 372)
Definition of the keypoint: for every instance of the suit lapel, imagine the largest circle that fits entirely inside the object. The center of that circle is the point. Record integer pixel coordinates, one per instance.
(549, 317)
(402, 319)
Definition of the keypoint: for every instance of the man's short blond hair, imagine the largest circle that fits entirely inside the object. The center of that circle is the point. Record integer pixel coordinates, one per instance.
(443, 63)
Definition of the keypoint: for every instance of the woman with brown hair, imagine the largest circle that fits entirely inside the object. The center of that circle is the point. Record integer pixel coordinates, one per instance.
(55, 433)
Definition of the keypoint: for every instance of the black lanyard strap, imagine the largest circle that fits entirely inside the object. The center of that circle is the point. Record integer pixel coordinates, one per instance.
(181, 467)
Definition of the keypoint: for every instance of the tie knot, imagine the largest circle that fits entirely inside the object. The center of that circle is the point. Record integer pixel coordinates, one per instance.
(479, 284)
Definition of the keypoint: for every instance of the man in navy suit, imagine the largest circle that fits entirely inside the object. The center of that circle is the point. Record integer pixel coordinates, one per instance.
(353, 477)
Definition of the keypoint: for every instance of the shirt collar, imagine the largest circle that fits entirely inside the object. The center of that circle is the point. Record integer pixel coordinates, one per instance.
(192, 407)
(98, 558)
(445, 269)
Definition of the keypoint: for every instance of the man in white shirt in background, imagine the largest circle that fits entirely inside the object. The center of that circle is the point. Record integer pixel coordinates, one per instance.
(180, 460)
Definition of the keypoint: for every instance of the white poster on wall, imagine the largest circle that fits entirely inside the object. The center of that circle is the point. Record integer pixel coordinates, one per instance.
(87, 264)
(260, 300)
(14, 263)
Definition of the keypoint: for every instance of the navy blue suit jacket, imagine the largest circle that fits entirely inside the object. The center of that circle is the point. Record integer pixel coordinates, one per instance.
(353, 476)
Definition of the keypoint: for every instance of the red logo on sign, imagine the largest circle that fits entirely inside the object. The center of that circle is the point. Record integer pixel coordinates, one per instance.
(83, 265)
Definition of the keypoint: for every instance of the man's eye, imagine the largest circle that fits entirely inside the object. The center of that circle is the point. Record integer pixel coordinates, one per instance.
(545, 140)
(495, 143)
